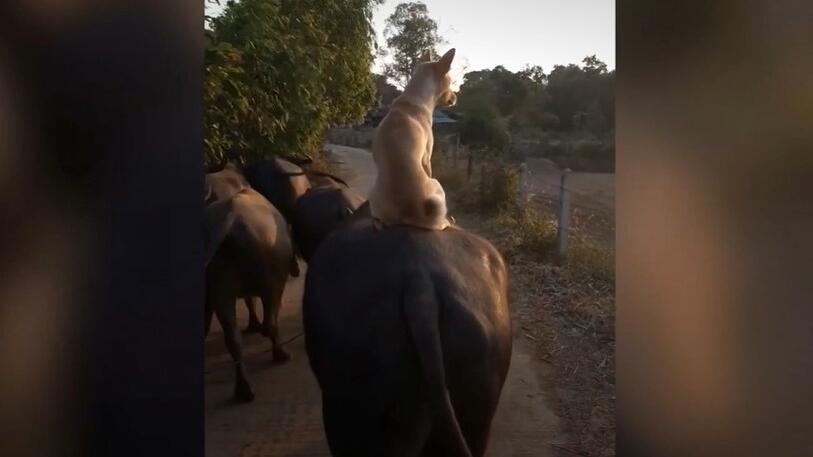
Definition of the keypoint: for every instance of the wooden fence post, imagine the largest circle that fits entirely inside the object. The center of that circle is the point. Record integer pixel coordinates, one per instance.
(483, 184)
(522, 185)
(469, 166)
(564, 216)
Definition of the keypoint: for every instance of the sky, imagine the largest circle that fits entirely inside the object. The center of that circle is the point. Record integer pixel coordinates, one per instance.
(513, 33)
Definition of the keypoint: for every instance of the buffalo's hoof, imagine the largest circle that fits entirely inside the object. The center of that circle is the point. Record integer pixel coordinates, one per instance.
(281, 355)
(253, 327)
(243, 393)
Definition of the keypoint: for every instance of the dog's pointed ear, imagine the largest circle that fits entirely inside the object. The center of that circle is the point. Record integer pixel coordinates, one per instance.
(445, 62)
(426, 56)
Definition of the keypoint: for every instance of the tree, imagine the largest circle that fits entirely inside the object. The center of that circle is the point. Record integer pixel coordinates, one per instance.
(532, 102)
(279, 72)
(508, 91)
(409, 33)
(594, 65)
(573, 90)
(535, 74)
(385, 92)
(481, 125)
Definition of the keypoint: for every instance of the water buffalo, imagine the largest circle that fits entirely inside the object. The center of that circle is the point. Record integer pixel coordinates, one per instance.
(278, 180)
(282, 182)
(224, 183)
(248, 253)
(408, 333)
(319, 211)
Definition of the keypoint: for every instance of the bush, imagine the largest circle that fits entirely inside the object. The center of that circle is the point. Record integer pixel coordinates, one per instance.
(278, 73)
(587, 149)
(493, 192)
(497, 188)
(450, 176)
(525, 231)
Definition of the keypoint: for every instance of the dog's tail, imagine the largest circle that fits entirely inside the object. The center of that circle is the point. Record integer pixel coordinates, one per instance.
(421, 309)
(432, 206)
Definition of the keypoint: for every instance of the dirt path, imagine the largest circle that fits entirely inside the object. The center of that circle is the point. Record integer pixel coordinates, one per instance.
(285, 418)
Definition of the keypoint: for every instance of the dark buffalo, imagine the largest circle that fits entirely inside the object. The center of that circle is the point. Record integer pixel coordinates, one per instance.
(320, 211)
(279, 181)
(313, 202)
(282, 182)
(409, 335)
(248, 254)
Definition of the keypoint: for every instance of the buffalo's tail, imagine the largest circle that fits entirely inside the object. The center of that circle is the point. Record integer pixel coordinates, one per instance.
(421, 309)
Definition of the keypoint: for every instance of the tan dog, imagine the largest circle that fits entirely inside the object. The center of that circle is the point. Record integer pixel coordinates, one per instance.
(404, 191)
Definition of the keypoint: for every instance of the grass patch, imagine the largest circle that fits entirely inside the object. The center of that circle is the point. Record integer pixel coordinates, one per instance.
(589, 257)
(533, 234)
(451, 178)
(523, 230)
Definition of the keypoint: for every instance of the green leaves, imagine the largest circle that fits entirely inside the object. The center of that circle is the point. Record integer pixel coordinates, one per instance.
(278, 73)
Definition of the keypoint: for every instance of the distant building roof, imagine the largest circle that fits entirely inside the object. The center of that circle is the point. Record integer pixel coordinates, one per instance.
(439, 117)
(377, 114)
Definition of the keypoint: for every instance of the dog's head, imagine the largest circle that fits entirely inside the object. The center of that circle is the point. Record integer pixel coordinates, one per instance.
(438, 74)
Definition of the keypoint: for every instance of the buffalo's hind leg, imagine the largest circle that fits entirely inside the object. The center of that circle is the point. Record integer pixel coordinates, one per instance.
(272, 302)
(254, 325)
(357, 428)
(207, 321)
(226, 314)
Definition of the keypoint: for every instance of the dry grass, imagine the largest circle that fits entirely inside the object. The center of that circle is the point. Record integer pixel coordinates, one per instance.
(569, 318)
(451, 178)
(523, 230)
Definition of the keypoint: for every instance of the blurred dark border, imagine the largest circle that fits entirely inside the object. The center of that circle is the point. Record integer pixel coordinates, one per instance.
(714, 226)
(102, 280)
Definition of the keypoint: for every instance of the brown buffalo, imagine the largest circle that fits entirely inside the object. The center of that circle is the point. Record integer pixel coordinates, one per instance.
(248, 253)
(222, 185)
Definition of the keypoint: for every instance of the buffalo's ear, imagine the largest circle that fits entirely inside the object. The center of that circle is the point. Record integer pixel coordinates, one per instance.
(426, 56)
(207, 198)
(445, 62)
(345, 212)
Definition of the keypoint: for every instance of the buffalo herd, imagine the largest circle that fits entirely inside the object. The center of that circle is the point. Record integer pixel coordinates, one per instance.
(407, 330)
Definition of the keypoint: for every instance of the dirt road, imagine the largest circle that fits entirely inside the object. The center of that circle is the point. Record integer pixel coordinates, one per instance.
(285, 418)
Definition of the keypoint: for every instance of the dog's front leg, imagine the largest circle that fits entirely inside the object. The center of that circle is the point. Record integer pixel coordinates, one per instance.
(427, 165)
(426, 162)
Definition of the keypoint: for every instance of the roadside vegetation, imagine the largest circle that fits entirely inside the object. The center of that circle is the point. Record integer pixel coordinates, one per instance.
(279, 73)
